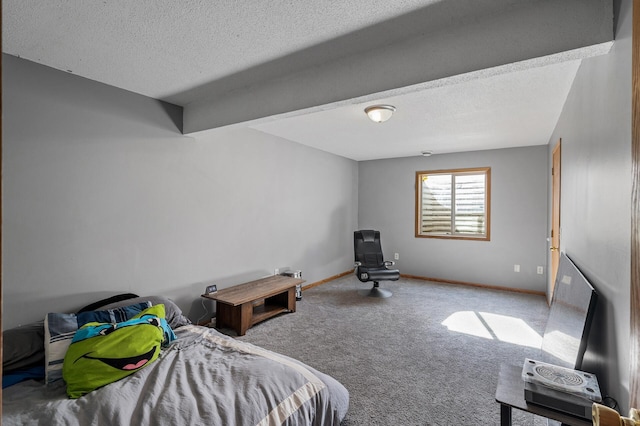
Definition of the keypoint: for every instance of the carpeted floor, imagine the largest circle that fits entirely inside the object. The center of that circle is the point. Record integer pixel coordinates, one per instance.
(428, 355)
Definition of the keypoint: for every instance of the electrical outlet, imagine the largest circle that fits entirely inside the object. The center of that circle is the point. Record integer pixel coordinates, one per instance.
(540, 270)
(211, 289)
(516, 268)
(396, 256)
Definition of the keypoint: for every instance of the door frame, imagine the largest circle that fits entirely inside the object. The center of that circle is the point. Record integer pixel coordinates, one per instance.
(634, 338)
(554, 238)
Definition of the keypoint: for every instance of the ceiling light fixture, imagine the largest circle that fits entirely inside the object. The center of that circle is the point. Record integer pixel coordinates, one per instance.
(380, 113)
(427, 153)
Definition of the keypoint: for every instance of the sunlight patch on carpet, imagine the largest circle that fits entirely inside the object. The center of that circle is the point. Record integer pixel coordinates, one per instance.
(494, 326)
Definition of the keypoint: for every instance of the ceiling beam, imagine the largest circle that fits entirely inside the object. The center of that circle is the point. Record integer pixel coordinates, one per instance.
(463, 41)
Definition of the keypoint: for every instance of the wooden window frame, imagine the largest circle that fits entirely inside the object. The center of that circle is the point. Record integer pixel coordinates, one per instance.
(418, 205)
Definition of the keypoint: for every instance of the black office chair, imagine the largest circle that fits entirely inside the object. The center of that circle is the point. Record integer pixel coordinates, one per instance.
(370, 264)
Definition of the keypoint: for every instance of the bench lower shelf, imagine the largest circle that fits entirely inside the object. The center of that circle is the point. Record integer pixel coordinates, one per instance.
(264, 312)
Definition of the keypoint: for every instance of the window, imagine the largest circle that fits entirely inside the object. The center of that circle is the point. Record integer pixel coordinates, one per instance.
(453, 203)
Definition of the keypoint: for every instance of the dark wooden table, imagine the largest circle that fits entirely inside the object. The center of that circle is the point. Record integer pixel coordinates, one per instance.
(241, 306)
(510, 394)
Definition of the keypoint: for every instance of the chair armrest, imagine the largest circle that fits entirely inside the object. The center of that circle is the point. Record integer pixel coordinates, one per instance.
(356, 264)
(389, 263)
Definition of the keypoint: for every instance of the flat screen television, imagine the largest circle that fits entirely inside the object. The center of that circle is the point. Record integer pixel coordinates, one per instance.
(570, 315)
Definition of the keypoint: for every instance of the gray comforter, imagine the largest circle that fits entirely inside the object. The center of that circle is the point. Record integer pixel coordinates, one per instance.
(204, 378)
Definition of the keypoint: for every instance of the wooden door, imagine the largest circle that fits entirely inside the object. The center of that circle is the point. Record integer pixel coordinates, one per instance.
(555, 220)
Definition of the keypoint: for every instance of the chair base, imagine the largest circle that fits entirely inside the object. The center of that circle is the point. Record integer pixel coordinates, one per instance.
(376, 291)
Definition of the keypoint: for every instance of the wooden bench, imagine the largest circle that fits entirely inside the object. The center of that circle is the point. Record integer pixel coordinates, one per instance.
(241, 306)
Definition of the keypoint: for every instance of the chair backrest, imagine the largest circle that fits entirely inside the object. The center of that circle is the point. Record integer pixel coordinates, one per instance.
(367, 248)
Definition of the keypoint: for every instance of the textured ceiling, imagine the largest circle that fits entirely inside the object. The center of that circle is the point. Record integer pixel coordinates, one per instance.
(518, 108)
(162, 48)
(464, 75)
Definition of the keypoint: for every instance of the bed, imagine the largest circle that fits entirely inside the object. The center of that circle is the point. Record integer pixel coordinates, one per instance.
(202, 378)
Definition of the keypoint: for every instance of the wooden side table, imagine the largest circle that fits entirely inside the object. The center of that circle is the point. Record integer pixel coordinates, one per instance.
(241, 306)
(510, 394)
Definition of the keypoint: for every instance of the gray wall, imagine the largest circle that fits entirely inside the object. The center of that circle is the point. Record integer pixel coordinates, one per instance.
(595, 127)
(518, 218)
(102, 194)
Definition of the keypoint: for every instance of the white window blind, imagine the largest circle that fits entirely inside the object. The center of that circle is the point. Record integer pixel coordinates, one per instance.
(453, 203)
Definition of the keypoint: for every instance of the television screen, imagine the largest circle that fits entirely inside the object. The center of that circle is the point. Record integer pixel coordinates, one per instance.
(565, 337)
